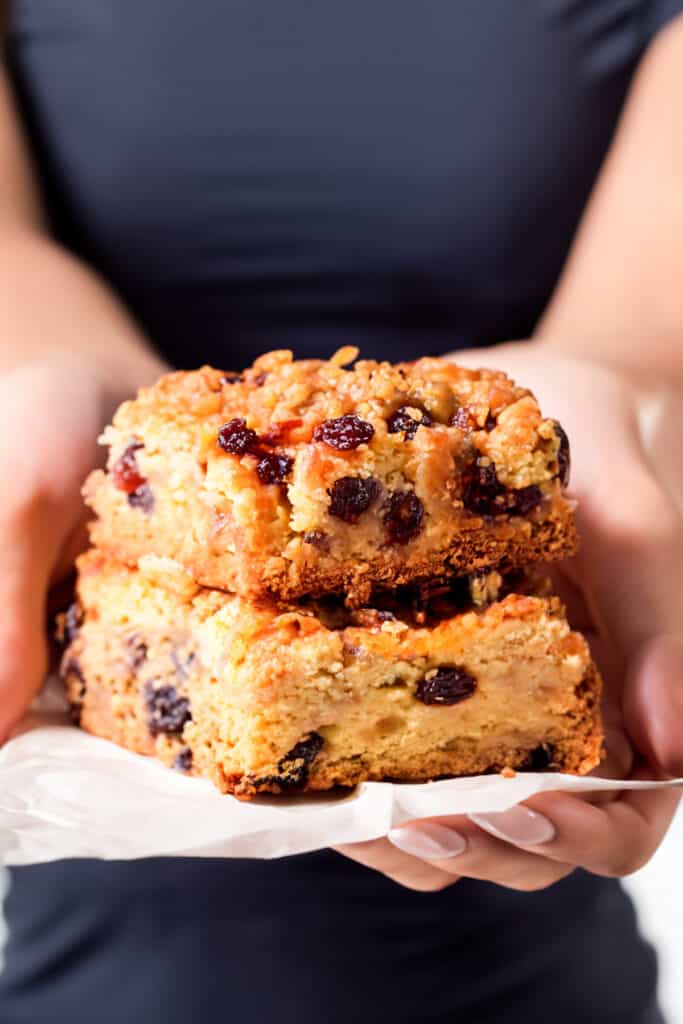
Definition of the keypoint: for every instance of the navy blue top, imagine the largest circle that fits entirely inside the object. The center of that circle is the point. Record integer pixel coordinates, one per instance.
(255, 174)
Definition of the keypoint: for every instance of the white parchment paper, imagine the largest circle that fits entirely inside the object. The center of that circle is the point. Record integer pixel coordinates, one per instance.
(64, 793)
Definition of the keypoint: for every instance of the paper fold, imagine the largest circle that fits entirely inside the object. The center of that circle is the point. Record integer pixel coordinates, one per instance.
(64, 793)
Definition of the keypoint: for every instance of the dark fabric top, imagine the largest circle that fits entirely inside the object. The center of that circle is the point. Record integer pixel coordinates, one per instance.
(256, 174)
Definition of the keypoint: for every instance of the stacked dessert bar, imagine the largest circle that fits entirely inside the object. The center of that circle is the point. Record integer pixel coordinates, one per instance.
(316, 573)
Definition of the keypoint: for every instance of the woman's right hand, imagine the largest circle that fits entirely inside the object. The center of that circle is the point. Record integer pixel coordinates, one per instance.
(50, 416)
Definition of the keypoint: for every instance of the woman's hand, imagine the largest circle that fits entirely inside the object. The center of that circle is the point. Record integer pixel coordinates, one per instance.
(624, 592)
(51, 413)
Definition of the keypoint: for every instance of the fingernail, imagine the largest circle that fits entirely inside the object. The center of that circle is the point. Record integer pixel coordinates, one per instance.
(517, 825)
(428, 841)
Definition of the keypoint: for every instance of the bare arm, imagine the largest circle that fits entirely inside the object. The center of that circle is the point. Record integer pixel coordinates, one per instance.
(620, 297)
(69, 352)
(51, 305)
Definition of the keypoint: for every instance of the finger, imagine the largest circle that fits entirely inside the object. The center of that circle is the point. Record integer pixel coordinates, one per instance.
(612, 839)
(429, 855)
(25, 560)
(408, 871)
(653, 703)
(482, 857)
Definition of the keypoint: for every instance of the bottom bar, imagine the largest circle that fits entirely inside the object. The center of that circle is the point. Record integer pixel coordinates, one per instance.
(264, 699)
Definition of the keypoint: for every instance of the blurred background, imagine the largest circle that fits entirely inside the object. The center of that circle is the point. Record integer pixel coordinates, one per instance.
(658, 891)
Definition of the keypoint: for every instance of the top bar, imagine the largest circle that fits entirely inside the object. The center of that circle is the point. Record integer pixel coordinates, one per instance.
(313, 477)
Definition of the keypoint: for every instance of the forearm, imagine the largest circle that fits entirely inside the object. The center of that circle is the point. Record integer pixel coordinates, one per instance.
(54, 309)
(619, 300)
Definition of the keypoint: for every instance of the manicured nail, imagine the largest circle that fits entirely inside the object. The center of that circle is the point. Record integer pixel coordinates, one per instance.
(517, 825)
(428, 841)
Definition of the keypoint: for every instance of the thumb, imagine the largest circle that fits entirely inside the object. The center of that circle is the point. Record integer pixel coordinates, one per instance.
(653, 703)
(25, 559)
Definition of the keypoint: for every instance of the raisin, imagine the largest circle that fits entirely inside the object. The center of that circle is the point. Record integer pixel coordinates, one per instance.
(294, 767)
(236, 438)
(167, 711)
(350, 496)
(540, 759)
(182, 762)
(136, 651)
(403, 516)
(483, 493)
(318, 539)
(523, 500)
(142, 498)
(563, 455)
(344, 433)
(125, 474)
(71, 623)
(490, 423)
(402, 422)
(446, 685)
(272, 468)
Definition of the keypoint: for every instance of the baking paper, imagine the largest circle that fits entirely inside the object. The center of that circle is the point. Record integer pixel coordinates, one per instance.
(64, 793)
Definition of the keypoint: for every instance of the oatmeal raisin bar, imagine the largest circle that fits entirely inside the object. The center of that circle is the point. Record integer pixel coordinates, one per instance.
(307, 477)
(458, 679)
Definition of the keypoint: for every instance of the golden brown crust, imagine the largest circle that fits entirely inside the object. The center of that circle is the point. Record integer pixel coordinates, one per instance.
(481, 472)
(281, 696)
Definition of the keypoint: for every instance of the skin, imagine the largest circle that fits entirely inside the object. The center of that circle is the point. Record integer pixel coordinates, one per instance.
(607, 360)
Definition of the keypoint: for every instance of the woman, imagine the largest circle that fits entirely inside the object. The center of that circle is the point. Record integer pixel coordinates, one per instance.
(223, 178)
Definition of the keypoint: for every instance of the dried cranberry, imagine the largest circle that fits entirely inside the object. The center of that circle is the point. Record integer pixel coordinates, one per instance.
(403, 516)
(344, 433)
(402, 422)
(182, 762)
(167, 711)
(446, 685)
(272, 468)
(142, 498)
(125, 475)
(563, 455)
(236, 438)
(523, 500)
(350, 496)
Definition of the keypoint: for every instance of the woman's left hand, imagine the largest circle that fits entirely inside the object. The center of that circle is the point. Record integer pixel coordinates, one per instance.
(624, 592)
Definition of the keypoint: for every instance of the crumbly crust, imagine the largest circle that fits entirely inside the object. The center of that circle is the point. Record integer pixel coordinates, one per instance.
(480, 468)
(264, 698)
